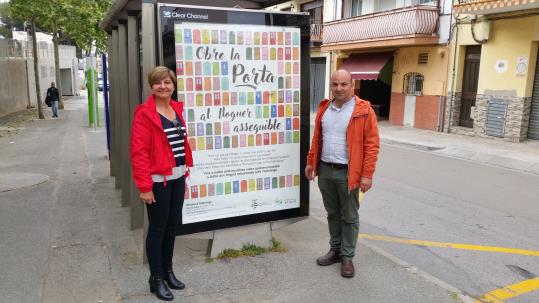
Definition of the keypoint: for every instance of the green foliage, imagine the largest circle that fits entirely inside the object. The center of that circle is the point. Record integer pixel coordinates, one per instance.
(83, 22)
(77, 20)
(29, 11)
(277, 246)
(251, 250)
(229, 253)
(7, 23)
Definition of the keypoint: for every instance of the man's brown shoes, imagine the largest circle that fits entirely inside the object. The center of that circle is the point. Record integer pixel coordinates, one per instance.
(331, 257)
(347, 269)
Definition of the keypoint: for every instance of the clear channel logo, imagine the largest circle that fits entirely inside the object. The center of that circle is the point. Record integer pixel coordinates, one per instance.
(182, 15)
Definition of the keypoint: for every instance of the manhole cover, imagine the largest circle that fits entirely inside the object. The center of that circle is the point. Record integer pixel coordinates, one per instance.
(19, 180)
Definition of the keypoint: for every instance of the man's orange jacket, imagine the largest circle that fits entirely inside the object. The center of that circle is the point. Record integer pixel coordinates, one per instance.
(362, 140)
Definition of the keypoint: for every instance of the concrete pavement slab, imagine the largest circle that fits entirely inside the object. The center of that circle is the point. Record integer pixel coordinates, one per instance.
(13, 181)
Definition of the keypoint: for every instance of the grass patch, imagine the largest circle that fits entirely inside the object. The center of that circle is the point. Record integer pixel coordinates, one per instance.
(276, 246)
(229, 253)
(209, 260)
(251, 250)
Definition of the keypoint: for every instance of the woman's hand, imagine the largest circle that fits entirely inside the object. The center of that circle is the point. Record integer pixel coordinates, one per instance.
(147, 197)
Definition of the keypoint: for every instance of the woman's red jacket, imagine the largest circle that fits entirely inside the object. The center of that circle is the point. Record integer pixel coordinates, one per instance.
(150, 150)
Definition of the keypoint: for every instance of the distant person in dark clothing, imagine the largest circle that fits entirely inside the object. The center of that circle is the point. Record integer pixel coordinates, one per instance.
(52, 96)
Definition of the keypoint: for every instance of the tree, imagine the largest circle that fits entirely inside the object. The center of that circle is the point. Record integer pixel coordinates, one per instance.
(78, 19)
(31, 11)
(83, 23)
(7, 24)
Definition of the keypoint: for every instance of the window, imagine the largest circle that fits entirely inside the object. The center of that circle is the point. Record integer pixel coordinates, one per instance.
(413, 84)
(384, 5)
(315, 9)
(356, 7)
(351, 8)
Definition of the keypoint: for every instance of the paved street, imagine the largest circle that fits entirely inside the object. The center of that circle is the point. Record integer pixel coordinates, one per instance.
(423, 196)
(68, 239)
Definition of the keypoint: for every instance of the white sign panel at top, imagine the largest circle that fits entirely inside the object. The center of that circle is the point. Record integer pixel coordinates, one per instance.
(241, 89)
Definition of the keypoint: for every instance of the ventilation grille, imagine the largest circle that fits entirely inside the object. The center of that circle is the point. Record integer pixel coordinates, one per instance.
(423, 58)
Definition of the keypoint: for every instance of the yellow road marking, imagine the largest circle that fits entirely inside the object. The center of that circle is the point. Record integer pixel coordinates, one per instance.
(510, 291)
(504, 250)
(495, 296)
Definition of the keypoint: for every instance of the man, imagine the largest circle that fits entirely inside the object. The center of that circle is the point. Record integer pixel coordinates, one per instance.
(52, 95)
(343, 154)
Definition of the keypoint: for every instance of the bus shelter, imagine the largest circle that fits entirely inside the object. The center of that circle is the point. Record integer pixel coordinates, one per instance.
(243, 76)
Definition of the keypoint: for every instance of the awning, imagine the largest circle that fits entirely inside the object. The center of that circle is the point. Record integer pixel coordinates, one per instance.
(366, 66)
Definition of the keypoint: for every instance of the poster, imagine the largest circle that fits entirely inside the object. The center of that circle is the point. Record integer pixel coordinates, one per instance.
(241, 91)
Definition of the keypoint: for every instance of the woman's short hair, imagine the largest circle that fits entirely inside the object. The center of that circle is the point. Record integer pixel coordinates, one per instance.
(159, 73)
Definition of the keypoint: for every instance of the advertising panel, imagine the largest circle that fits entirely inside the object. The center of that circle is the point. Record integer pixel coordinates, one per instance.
(242, 77)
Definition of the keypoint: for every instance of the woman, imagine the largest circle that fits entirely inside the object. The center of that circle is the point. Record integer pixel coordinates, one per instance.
(160, 160)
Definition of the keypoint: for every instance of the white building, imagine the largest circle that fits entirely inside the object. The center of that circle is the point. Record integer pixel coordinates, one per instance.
(67, 57)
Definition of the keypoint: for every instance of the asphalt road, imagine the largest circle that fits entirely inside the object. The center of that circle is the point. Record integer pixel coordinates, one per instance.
(418, 195)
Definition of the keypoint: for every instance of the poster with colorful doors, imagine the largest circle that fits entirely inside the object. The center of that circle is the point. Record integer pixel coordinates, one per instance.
(241, 92)
(243, 77)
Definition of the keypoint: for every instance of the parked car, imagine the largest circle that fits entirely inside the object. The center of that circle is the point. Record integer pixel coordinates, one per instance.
(100, 85)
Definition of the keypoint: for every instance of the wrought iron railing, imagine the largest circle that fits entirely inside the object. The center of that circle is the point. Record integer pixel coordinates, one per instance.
(317, 30)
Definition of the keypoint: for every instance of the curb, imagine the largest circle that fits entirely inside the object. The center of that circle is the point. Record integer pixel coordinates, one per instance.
(411, 145)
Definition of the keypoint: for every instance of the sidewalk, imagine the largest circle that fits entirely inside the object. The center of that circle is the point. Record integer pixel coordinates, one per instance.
(522, 156)
(68, 239)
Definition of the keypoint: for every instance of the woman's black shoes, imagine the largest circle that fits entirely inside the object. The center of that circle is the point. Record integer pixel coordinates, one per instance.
(158, 286)
(172, 281)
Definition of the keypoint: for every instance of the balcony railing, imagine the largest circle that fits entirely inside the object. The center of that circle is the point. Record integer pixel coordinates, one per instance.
(414, 21)
(487, 7)
(316, 32)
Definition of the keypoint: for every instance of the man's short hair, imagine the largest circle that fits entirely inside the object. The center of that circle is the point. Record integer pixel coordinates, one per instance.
(159, 73)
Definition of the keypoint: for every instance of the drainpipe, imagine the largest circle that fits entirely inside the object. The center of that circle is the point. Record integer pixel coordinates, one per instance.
(453, 77)
(443, 100)
(439, 14)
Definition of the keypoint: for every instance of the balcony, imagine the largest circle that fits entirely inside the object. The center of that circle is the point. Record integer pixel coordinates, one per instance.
(489, 7)
(316, 33)
(415, 25)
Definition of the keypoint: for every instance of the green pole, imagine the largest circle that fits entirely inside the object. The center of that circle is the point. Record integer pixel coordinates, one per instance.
(91, 85)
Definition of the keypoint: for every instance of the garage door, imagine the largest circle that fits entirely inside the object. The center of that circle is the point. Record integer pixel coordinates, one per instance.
(533, 130)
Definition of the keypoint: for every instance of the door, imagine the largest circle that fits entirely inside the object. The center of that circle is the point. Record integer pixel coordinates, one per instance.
(318, 81)
(469, 84)
(67, 83)
(496, 115)
(409, 110)
(533, 129)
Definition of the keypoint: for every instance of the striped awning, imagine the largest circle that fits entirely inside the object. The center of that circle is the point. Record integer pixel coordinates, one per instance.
(414, 21)
(366, 66)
